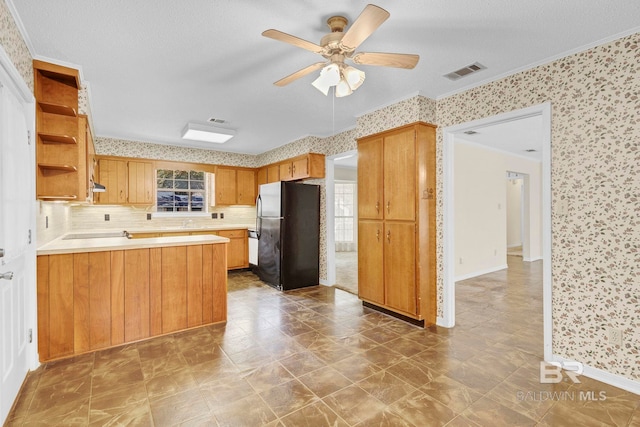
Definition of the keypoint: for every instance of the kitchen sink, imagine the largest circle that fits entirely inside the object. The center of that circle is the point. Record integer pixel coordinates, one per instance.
(96, 235)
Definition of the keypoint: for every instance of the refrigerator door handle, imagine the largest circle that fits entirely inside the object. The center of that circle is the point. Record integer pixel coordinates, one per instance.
(258, 216)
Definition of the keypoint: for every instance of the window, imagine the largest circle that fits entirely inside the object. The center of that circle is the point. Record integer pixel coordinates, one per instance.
(344, 198)
(181, 191)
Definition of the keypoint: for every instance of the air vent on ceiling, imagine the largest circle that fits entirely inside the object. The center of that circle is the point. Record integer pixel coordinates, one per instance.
(470, 132)
(531, 150)
(465, 71)
(214, 120)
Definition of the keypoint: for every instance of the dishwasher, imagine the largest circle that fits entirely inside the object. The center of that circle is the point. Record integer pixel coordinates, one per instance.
(253, 248)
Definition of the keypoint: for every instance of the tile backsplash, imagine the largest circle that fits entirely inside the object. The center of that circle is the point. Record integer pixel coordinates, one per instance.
(84, 218)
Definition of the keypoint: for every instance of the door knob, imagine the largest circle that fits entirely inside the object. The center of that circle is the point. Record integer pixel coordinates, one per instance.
(7, 276)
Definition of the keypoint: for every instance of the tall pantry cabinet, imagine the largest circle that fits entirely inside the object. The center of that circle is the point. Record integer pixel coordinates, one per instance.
(396, 221)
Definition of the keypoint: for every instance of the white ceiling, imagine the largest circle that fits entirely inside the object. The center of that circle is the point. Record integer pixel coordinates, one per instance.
(514, 137)
(154, 65)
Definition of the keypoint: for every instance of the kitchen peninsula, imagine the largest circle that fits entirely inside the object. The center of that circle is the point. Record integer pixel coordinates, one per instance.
(97, 291)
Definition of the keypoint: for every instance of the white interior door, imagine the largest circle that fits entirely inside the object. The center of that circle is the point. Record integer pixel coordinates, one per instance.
(17, 220)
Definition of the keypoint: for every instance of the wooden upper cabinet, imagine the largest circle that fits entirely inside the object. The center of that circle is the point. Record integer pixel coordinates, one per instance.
(226, 186)
(246, 187)
(400, 175)
(140, 183)
(286, 171)
(261, 176)
(235, 186)
(273, 173)
(370, 179)
(113, 175)
(309, 165)
(60, 156)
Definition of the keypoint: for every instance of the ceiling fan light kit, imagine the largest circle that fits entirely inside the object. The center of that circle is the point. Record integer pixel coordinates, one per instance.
(345, 78)
(339, 46)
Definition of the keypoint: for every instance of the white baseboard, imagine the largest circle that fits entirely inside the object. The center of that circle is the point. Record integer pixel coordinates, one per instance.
(324, 282)
(441, 321)
(514, 246)
(481, 272)
(538, 258)
(604, 376)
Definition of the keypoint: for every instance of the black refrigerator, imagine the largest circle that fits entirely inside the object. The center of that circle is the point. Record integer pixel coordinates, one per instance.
(288, 229)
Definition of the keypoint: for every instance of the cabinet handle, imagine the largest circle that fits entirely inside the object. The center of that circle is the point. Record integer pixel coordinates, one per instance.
(378, 234)
(289, 170)
(389, 236)
(294, 168)
(388, 204)
(378, 207)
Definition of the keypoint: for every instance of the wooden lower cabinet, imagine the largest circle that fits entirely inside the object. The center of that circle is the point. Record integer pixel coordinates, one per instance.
(371, 261)
(96, 300)
(237, 248)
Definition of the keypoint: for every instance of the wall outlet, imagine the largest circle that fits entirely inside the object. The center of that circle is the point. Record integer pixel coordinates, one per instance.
(214, 215)
(460, 260)
(221, 215)
(615, 337)
(148, 216)
(107, 217)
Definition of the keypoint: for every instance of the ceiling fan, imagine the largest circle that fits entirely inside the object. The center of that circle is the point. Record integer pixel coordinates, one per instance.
(339, 46)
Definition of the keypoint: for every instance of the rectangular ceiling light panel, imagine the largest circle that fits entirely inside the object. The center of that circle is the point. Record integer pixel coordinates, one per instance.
(206, 133)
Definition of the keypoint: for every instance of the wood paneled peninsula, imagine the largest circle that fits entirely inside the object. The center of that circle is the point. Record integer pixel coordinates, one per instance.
(98, 292)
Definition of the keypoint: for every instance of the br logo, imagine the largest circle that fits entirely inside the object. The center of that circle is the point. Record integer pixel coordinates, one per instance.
(551, 372)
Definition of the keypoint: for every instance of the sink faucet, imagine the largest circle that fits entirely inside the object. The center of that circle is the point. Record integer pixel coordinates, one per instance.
(187, 223)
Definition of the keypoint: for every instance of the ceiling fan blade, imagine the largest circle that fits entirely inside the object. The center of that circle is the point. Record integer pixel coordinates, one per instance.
(369, 20)
(398, 60)
(300, 73)
(296, 41)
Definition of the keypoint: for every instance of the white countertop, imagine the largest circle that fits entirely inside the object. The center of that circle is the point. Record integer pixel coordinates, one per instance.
(99, 244)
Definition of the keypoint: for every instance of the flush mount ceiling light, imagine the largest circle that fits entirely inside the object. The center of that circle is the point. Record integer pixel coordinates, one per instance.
(339, 46)
(206, 133)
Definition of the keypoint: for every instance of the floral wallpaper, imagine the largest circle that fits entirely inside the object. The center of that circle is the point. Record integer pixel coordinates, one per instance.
(126, 148)
(595, 97)
(14, 45)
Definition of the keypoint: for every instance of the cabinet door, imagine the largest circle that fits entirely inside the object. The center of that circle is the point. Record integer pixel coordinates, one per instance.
(400, 176)
(300, 168)
(113, 175)
(226, 186)
(400, 266)
(140, 185)
(237, 249)
(286, 171)
(246, 187)
(262, 176)
(370, 261)
(370, 179)
(273, 173)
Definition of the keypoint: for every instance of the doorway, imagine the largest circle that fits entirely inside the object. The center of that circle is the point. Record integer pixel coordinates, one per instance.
(543, 111)
(342, 225)
(515, 213)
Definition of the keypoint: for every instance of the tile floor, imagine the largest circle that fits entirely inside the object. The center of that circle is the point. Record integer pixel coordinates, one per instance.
(347, 271)
(315, 357)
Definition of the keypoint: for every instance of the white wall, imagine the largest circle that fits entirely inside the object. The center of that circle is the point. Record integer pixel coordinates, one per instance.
(514, 212)
(481, 208)
(532, 218)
